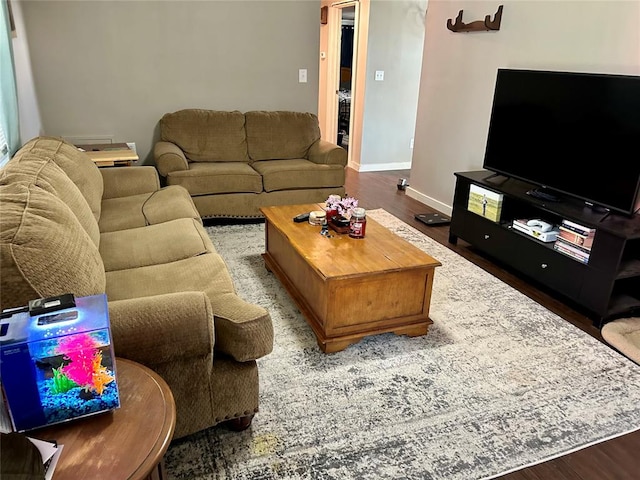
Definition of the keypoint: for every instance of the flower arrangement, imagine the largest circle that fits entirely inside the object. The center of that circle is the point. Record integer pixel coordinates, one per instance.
(342, 206)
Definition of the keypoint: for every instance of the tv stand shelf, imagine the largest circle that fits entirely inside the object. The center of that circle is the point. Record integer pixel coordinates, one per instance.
(607, 287)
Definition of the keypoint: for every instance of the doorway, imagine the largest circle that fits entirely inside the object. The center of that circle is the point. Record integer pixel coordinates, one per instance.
(341, 91)
(346, 54)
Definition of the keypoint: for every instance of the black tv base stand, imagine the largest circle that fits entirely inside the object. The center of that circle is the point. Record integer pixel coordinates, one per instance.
(540, 194)
(606, 287)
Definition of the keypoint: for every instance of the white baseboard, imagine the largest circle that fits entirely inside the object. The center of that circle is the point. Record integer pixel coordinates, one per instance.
(431, 202)
(381, 167)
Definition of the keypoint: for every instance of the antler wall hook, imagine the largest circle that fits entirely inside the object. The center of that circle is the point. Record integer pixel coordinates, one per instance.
(478, 25)
(497, 18)
(455, 27)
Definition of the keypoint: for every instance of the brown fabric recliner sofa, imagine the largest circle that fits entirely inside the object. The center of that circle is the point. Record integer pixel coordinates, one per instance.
(233, 163)
(67, 226)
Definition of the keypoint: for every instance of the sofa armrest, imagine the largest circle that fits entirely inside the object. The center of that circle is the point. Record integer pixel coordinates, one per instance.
(161, 328)
(244, 331)
(169, 158)
(127, 181)
(327, 153)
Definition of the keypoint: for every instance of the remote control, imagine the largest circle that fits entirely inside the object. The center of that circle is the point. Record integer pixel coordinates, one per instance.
(303, 217)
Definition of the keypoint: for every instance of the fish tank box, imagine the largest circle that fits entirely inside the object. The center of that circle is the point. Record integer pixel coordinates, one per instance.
(57, 365)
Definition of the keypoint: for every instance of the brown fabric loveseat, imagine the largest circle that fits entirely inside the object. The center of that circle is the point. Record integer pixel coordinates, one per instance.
(233, 163)
(67, 226)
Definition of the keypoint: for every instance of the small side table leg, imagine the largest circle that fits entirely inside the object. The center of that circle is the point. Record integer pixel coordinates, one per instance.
(159, 472)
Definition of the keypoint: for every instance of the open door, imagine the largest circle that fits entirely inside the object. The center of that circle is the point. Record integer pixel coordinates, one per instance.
(346, 63)
(342, 55)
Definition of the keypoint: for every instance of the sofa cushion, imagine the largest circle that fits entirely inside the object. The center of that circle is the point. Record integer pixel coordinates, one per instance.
(298, 174)
(76, 164)
(217, 177)
(44, 251)
(162, 243)
(280, 134)
(242, 330)
(168, 203)
(43, 172)
(206, 135)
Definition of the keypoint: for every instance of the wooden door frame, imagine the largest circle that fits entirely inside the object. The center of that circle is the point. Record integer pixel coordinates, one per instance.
(330, 74)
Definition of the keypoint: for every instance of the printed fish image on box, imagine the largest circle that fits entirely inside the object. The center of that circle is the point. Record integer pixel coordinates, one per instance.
(485, 202)
(60, 365)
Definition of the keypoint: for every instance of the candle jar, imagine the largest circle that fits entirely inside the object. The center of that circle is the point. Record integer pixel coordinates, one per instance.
(358, 223)
(331, 213)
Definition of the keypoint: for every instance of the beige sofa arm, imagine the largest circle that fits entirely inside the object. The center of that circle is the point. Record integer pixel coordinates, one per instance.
(162, 328)
(126, 181)
(327, 153)
(244, 331)
(169, 158)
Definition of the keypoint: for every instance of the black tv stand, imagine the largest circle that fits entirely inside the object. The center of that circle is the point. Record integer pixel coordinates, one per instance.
(543, 195)
(605, 288)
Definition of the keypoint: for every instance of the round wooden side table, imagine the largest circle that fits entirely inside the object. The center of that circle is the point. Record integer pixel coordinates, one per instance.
(127, 443)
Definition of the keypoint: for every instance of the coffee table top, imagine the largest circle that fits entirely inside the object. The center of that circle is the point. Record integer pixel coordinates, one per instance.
(128, 442)
(341, 255)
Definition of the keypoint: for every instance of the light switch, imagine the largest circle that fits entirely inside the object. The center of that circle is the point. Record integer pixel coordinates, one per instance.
(379, 75)
(302, 75)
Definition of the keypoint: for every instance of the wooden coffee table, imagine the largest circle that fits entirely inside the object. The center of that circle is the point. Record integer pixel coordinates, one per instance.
(349, 288)
(127, 443)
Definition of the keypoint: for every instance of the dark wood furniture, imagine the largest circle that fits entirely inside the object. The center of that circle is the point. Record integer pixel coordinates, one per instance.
(127, 443)
(607, 287)
(613, 459)
(349, 288)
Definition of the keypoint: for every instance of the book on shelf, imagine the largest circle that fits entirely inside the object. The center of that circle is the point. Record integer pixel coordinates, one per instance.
(521, 225)
(576, 227)
(571, 250)
(569, 253)
(573, 246)
(484, 202)
(571, 236)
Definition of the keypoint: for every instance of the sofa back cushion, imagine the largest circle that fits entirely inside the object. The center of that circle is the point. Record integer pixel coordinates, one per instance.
(280, 135)
(76, 164)
(44, 251)
(46, 174)
(206, 135)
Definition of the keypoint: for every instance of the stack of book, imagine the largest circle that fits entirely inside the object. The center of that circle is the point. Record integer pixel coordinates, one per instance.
(575, 240)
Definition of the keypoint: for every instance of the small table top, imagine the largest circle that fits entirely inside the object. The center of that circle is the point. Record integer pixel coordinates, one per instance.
(340, 255)
(110, 154)
(127, 443)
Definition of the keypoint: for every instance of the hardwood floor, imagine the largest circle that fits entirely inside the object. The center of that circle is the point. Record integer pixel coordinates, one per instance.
(616, 459)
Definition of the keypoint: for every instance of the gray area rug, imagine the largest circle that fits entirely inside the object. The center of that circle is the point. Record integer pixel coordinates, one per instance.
(499, 383)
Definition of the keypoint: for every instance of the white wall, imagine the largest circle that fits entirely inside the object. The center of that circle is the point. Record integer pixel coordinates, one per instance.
(113, 68)
(28, 109)
(396, 39)
(459, 69)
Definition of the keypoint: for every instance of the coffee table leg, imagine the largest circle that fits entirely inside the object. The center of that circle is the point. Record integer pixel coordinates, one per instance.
(413, 330)
(332, 346)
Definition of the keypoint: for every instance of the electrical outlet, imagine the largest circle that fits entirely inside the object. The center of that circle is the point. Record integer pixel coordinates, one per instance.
(132, 146)
(379, 75)
(302, 75)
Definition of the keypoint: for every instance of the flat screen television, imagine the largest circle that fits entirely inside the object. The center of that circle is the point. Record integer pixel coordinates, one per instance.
(576, 134)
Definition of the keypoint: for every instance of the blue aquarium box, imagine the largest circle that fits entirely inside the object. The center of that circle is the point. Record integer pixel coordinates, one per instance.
(58, 364)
